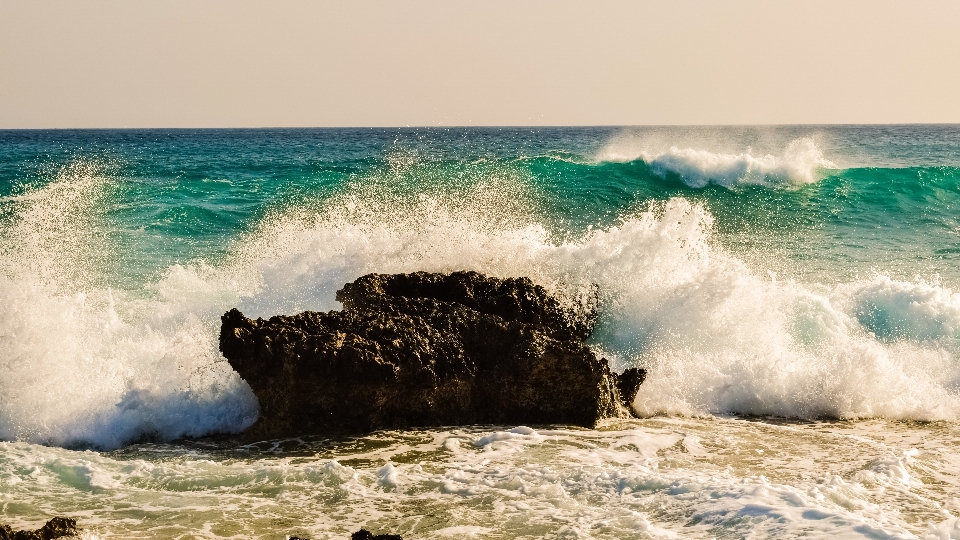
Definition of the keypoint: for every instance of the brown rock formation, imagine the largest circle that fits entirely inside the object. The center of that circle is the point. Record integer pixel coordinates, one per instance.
(425, 350)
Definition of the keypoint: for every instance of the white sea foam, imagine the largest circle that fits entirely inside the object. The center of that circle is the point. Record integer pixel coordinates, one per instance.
(84, 363)
(801, 162)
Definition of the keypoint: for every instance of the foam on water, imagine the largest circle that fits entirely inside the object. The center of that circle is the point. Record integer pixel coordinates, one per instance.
(637, 479)
(87, 364)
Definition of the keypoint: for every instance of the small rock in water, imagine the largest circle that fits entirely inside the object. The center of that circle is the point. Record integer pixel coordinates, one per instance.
(57, 527)
(422, 349)
(364, 534)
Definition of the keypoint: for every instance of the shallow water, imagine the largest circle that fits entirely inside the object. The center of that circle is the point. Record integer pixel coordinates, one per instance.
(660, 477)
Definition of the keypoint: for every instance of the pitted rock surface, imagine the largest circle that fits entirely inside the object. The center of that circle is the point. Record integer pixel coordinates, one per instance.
(423, 349)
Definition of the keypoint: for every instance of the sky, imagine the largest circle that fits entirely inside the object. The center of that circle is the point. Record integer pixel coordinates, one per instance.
(238, 63)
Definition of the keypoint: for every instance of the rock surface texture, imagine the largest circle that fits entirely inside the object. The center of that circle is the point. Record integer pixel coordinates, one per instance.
(57, 527)
(421, 349)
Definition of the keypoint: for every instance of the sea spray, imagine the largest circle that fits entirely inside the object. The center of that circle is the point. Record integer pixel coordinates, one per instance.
(716, 335)
(91, 365)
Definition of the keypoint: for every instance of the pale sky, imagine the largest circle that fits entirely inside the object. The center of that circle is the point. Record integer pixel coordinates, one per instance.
(236, 63)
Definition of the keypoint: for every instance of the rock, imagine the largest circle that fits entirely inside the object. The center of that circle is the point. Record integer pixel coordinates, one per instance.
(628, 383)
(364, 534)
(57, 527)
(421, 349)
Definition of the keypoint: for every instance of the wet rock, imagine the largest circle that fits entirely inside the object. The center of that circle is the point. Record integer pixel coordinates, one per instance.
(422, 349)
(57, 527)
(628, 384)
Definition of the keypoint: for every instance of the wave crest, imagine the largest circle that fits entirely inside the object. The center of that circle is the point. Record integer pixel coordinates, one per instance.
(801, 162)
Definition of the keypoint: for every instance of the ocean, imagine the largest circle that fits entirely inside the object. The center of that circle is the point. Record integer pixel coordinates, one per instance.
(792, 291)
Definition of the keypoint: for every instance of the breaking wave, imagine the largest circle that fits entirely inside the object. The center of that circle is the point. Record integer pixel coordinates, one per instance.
(801, 162)
(85, 363)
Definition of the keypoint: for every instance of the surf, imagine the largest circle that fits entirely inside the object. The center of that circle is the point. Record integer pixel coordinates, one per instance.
(717, 333)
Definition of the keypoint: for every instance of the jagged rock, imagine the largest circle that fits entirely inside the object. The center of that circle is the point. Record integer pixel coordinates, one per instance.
(425, 349)
(57, 527)
(628, 383)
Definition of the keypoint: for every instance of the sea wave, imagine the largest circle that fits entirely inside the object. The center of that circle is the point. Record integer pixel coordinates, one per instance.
(801, 162)
(84, 363)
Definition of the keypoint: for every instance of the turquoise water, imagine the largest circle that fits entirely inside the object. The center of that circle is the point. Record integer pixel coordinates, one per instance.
(803, 273)
(172, 196)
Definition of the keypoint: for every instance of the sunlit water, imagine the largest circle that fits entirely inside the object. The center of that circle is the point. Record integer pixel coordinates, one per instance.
(791, 291)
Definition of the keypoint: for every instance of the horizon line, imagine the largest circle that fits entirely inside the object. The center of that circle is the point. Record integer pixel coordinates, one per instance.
(490, 126)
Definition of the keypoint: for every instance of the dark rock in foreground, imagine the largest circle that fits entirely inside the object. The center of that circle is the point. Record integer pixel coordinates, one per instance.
(364, 534)
(425, 350)
(57, 527)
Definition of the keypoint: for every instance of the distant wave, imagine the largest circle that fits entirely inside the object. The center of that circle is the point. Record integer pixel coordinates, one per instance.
(801, 162)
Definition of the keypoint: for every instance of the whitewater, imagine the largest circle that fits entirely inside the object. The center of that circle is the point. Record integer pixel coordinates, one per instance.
(793, 293)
